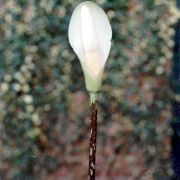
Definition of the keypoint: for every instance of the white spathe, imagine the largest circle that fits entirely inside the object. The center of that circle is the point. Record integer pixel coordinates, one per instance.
(90, 37)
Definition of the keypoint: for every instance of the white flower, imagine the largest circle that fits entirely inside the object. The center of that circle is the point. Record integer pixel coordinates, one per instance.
(8, 77)
(25, 88)
(90, 37)
(4, 87)
(28, 99)
(29, 108)
(19, 77)
(17, 87)
(36, 120)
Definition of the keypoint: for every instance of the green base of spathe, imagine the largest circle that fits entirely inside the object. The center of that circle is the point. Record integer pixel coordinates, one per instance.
(93, 97)
(93, 84)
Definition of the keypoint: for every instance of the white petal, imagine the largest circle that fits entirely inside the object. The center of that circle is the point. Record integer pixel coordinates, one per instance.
(74, 33)
(90, 37)
(103, 30)
(83, 37)
(88, 30)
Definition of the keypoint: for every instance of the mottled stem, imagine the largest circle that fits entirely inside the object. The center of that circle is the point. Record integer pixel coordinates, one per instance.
(92, 145)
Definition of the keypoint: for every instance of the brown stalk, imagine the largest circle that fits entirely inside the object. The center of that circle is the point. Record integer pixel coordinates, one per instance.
(92, 144)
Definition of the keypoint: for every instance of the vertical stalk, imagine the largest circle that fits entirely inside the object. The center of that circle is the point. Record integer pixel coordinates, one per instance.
(92, 144)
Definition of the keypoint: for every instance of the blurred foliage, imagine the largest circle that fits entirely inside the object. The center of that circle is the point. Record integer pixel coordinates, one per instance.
(44, 115)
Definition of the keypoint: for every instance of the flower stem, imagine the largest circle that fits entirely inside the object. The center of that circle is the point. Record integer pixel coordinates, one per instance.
(92, 145)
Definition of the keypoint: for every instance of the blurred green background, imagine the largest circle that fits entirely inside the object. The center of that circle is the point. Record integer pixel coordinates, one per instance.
(44, 107)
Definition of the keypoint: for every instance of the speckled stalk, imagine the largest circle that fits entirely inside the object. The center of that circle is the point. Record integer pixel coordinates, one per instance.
(92, 145)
